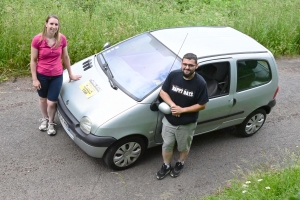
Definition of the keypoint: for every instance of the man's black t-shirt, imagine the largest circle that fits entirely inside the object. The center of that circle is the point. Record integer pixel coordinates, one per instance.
(185, 93)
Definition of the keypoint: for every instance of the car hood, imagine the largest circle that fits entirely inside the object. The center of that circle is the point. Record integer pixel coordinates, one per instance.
(92, 95)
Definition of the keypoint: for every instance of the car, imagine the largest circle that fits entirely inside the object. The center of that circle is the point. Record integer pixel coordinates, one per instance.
(114, 111)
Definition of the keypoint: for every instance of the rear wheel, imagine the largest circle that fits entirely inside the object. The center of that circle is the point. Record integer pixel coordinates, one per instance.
(252, 123)
(124, 153)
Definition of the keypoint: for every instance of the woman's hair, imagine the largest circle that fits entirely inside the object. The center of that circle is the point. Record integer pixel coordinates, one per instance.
(56, 35)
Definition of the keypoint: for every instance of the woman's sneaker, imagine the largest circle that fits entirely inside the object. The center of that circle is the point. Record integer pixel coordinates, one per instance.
(177, 169)
(44, 124)
(51, 130)
(165, 170)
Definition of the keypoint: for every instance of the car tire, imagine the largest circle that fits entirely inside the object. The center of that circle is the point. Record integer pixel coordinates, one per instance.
(252, 123)
(124, 153)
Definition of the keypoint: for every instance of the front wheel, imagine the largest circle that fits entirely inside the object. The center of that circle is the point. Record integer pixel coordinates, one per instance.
(252, 123)
(124, 153)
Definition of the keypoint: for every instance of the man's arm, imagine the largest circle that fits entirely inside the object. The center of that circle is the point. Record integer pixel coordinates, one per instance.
(193, 108)
(166, 97)
(177, 110)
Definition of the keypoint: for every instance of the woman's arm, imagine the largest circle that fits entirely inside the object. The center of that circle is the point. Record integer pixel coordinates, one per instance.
(33, 62)
(67, 64)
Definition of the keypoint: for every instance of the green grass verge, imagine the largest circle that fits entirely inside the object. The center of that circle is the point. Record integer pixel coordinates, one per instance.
(272, 181)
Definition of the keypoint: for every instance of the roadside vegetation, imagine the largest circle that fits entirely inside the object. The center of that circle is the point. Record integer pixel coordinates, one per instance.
(89, 24)
(276, 179)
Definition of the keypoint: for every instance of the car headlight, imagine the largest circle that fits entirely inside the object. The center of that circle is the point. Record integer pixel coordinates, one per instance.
(86, 125)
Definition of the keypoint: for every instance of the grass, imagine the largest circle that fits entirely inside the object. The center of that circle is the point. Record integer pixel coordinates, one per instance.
(270, 181)
(88, 24)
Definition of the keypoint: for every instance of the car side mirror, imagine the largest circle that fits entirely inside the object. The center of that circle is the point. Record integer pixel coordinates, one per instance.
(153, 106)
(164, 108)
(106, 45)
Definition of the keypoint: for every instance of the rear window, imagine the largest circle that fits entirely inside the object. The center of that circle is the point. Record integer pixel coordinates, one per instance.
(252, 73)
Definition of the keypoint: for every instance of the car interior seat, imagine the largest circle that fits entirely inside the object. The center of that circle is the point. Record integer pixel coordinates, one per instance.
(208, 72)
(245, 74)
(222, 77)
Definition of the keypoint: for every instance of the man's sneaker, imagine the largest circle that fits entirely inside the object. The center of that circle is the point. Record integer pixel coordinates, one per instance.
(51, 130)
(177, 169)
(44, 124)
(163, 171)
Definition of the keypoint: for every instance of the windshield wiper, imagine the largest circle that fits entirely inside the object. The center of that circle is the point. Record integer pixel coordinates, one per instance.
(110, 76)
(106, 70)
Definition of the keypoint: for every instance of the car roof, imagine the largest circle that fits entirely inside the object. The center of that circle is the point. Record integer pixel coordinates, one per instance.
(207, 41)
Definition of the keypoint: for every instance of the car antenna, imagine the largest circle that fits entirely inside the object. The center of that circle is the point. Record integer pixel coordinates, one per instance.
(178, 52)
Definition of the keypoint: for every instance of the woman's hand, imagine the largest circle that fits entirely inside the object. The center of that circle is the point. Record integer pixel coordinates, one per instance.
(36, 84)
(74, 77)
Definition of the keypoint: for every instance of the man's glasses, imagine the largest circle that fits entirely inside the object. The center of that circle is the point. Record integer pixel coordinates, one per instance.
(188, 65)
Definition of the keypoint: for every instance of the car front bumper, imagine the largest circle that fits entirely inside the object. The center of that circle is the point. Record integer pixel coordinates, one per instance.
(93, 145)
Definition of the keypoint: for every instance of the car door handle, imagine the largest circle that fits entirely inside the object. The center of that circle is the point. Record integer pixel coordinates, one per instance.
(232, 101)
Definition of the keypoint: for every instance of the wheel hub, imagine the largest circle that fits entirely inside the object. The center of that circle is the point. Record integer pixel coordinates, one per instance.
(127, 153)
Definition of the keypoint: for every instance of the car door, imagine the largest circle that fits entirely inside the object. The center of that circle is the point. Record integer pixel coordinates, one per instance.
(218, 78)
(253, 85)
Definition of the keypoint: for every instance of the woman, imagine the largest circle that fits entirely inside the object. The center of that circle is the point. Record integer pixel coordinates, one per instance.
(48, 50)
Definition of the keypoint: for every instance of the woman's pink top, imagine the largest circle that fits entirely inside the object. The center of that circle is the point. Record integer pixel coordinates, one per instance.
(49, 58)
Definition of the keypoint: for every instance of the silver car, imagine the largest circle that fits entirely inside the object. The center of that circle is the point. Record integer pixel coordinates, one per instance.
(114, 112)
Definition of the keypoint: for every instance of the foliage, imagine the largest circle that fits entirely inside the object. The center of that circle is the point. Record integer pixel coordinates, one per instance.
(88, 24)
(271, 180)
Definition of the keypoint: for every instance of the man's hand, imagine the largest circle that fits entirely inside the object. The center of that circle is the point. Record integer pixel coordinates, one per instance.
(176, 110)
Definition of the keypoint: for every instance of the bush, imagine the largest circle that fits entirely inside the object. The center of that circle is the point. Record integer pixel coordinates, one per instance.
(88, 24)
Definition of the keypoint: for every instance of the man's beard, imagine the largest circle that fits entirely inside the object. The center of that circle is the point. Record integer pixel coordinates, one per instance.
(188, 75)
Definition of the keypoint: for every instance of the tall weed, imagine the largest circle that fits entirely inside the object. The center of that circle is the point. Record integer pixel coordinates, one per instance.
(88, 24)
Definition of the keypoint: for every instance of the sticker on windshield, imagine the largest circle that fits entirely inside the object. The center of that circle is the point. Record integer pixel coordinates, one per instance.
(90, 88)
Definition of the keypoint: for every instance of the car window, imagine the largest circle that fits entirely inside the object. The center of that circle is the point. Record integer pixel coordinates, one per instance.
(217, 78)
(140, 64)
(252, 73)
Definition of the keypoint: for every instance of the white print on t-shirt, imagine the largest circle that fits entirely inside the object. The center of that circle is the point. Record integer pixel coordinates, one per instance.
(185, 92)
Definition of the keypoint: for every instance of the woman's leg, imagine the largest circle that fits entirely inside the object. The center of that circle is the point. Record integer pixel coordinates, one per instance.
(53, 93)
(51, 110)
(43, 92)
(43, 107)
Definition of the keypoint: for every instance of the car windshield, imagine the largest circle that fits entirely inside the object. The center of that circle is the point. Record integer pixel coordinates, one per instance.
(140, 65)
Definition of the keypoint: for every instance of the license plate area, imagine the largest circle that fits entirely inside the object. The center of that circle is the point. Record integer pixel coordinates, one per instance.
(65, 125)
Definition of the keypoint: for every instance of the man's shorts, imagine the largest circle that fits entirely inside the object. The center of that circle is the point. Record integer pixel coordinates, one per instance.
(182, 134)
(51, 86)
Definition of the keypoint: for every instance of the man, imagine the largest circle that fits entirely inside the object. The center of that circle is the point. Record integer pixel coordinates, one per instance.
(185, 92)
